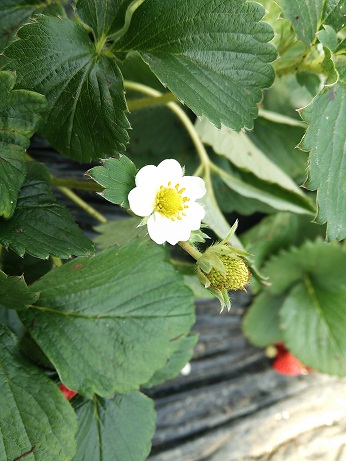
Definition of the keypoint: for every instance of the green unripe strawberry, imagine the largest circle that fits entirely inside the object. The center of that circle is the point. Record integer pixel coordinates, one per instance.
(236, 276)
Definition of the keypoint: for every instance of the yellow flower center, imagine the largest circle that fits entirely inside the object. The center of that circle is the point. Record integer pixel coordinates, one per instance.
(170, 202)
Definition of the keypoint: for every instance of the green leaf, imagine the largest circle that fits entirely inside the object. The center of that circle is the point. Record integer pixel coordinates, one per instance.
(334, 14)
(110, 319)
(280, 199)
(216, 220)
(230, 201)
(244, 154)
(313, 315)
(19, 118)
(313, 318)
(136, 70)
(277, 232)
(213, 56)
(117, 176)
(285, 37)
(328, 67)
(322, 262)
(119, 232)
(40, 226)
(176, 362)
(9, 318)
(118, 429)
(328, 37)
(327, 114)
(14, 13)
(35, 416)
(278, 139)
(261, 324)
(14, 293)
(310, 81)
(104, 17)
(304, 16)
(84, 88)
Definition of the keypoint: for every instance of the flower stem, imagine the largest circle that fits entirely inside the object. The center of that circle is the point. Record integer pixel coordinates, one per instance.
(76, 184)
(137, 104)
(82, 204)
(189, 126)
(74, 197)
(191, 250)
(56, 261)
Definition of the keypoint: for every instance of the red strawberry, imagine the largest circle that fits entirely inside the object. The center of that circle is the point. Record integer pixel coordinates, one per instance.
(287, 364)
(68, 393)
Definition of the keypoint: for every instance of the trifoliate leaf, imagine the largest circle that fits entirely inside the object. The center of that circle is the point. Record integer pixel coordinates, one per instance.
(117, 176)
(14, 13)
(214, 56)
(19, 118)
(40, 226)
(36, 421)
(84, 88)
(304, 16)
(325, 138)
(14, 293)
(108, 317)
(107, 427)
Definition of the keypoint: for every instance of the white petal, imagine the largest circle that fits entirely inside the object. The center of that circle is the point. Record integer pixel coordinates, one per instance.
(180, 231)
(195, 187)
(147, 175)
(142, 200)
(169, 170)
(157, 227)
(162, 229)
(194, 215)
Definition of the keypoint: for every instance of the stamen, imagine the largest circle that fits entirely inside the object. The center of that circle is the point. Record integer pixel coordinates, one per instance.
(169, 202)
(169, 184)
(179, 217)
(182, 190)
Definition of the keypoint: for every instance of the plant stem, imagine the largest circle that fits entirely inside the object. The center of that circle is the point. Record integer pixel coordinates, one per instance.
(74, 197)
(315, 66)
(76, 184)
(137, 104)
(190, 249)
(189, 126)
(56, 261)
(82, 204)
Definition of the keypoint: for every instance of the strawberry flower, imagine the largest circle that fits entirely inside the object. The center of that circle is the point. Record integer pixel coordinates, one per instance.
(166, 199)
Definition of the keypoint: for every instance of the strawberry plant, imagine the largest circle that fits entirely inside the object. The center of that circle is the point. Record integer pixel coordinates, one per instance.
(186, 115)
